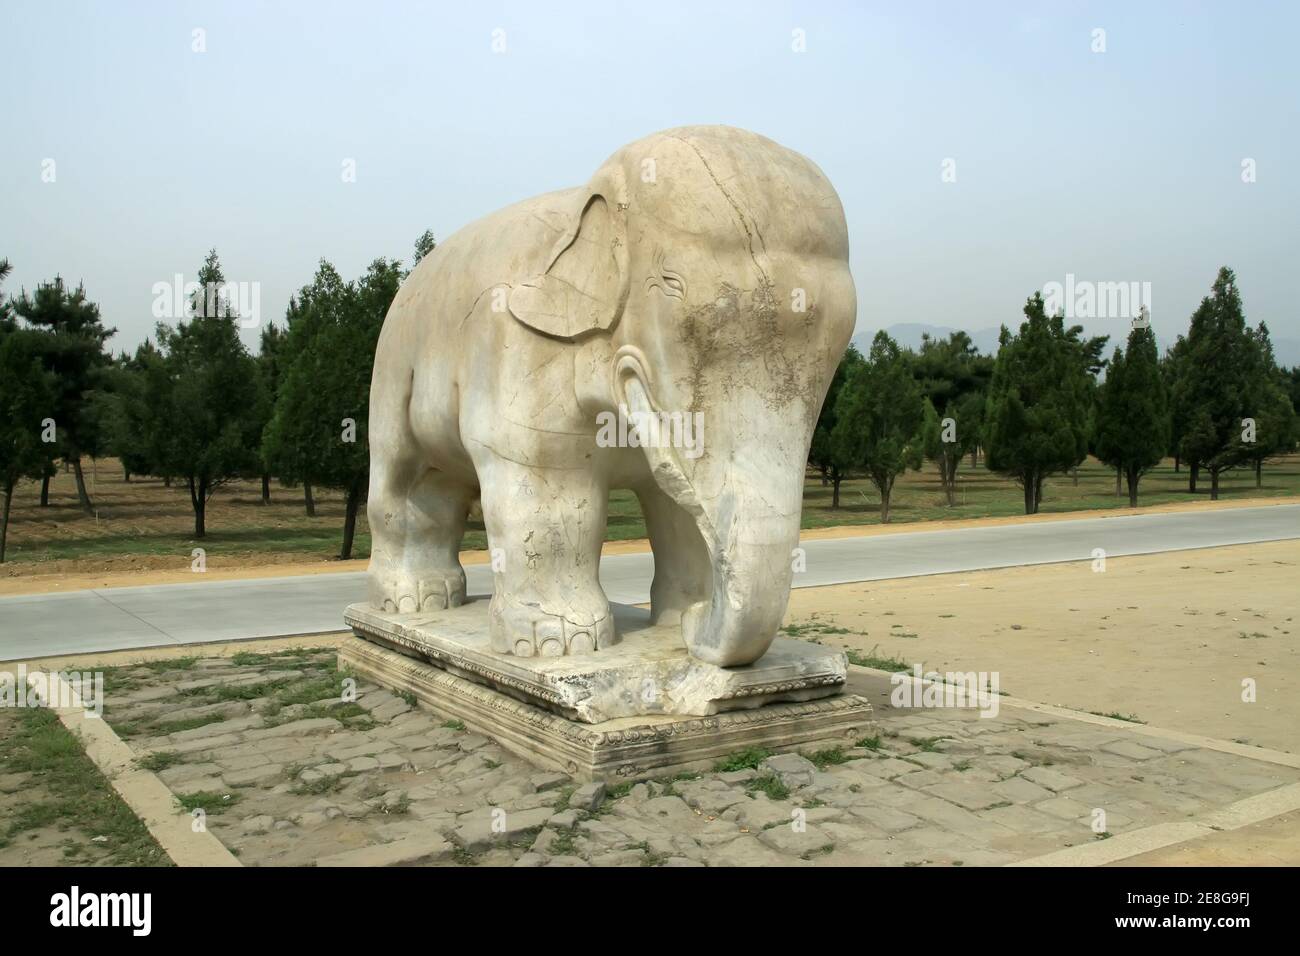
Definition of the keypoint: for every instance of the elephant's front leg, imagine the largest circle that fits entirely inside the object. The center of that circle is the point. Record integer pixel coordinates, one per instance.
(545, 529)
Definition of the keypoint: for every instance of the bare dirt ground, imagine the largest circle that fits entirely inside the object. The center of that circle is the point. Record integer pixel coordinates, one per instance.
(1165, 638)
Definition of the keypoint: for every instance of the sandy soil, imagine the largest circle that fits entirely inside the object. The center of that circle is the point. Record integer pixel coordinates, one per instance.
(162, 569)
(1168, 638)
(1274, 842)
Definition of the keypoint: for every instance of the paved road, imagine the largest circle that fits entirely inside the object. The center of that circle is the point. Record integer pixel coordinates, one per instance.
(120, 618)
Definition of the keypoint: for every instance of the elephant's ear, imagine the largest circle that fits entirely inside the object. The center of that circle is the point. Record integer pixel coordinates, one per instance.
(585, 284)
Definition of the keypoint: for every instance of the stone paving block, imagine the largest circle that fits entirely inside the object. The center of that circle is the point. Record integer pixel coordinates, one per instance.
(410, 851)
(796, 842)
(1065, 808)
(1020, 790)
(254, 776)
(971, 796)
(180, 773)
(295, 728)
(886, 818)
(1053, 780)
(587, 797)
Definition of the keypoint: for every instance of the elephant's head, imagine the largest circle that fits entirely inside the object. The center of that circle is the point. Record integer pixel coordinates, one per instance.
(714, 263)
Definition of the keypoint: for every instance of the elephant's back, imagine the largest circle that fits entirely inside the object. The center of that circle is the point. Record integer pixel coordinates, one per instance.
(499, 249)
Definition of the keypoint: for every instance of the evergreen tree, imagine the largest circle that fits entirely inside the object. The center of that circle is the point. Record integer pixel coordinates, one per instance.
(210, 398)
(878, 418)
(1037, 412)
(423, 246)
(1133, 411)
(318, 431)
(72, 347)
(822, 452)
(28, 394)
(1269, 402)
(1214, 389)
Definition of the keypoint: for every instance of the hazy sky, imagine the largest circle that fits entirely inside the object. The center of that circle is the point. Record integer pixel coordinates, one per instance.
(1122, 165)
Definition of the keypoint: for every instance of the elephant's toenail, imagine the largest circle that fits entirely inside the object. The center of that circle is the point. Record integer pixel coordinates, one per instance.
(581, 643)
(523, 649)
(552, 648)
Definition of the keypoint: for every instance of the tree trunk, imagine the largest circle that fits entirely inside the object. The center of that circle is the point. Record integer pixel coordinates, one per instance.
(885, 490)
(199, 499)
(266, 488)
(1176, 463)
(167, 481)
(1193, 472)
(126, 474)
(4, 522)
(1074, 474)
(82, 497)
(974, 457)
(350, 521)
(1038, 492)
(308, 500)
(1029, 494)
(836, 478)
(1214, 485)
(1133, 478)
(950, 482)
(1259, 472)
(45, 490)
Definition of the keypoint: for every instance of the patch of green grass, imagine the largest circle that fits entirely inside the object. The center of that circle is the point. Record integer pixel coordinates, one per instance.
(463, 857)
(243, 691)
(317, 787)
(1116, 715)
(454, 724)
(826, 758)
(562, 845)
(157, 762)
(876, 662)
(962, 766)
(747, 759)
(36, 742)
(869, 743)
(310, 691)
(190, 723)
(208, 801)
(770, 784)
(927, 745)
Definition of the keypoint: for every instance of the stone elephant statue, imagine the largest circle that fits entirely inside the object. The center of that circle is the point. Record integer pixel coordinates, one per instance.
(698, 282)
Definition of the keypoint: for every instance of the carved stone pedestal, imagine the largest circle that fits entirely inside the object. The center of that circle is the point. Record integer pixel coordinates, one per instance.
(640, 708)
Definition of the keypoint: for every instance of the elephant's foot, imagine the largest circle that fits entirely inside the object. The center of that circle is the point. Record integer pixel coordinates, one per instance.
(525, 629)
(406, 593)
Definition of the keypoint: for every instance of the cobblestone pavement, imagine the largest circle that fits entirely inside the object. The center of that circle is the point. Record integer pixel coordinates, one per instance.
(288, 774)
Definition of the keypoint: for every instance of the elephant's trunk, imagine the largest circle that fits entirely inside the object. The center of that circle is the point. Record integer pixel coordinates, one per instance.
(754, 533)
(747, 504)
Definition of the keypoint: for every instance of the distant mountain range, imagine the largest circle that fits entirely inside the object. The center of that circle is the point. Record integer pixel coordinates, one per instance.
(908, 335)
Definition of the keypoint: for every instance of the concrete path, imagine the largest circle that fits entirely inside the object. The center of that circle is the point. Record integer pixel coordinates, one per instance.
(121, 618)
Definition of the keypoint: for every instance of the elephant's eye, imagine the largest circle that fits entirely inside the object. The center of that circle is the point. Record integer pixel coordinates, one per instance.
(673, 285)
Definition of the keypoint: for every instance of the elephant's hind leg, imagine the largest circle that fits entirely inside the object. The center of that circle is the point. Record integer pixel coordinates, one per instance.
(417, 520)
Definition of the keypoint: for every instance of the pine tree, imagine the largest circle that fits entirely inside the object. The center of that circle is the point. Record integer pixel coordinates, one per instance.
(210, 397)
(1214, 388)
(1269, 403)
(72, 351)
(1037, 412)
(1133, 411)
(822, 452)
(878, 418)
